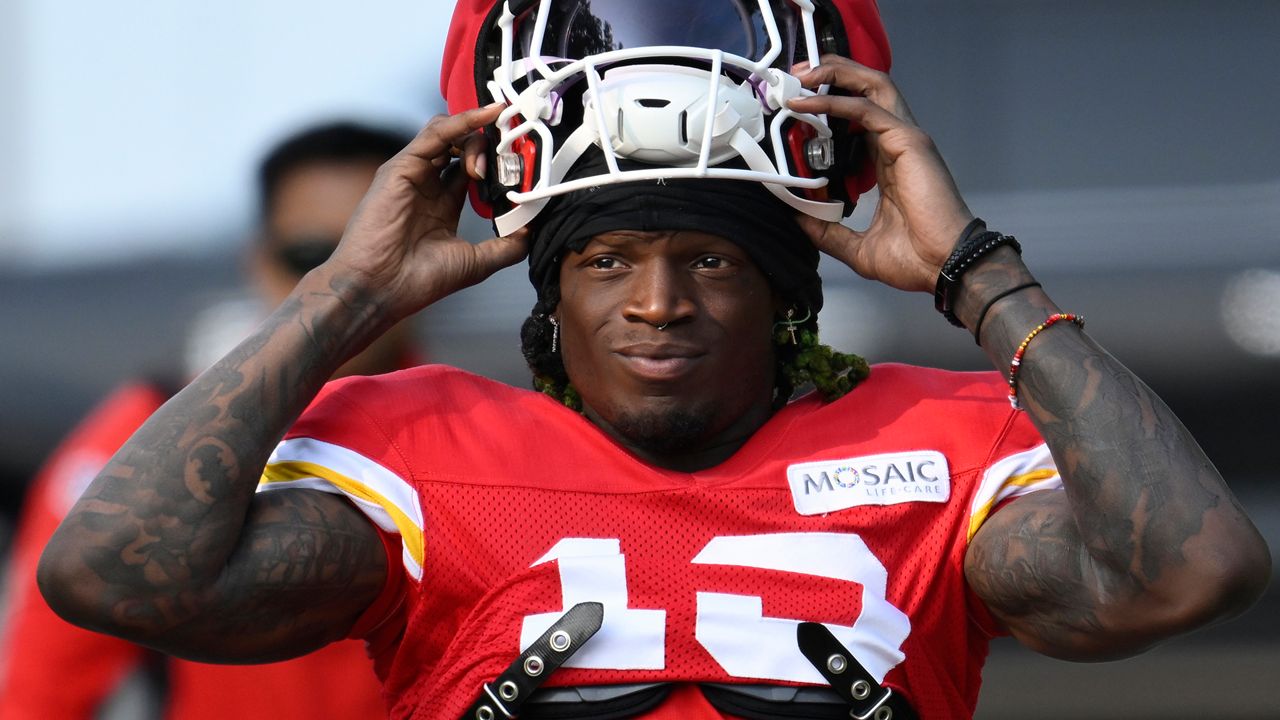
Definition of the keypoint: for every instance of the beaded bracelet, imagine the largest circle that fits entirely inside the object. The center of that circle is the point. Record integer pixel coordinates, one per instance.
(975, 242)
(1078, 320)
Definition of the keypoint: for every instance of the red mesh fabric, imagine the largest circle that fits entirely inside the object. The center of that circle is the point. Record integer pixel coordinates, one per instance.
(503, 475)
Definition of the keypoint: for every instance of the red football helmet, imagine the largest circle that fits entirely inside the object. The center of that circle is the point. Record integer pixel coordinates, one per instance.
(678, 88)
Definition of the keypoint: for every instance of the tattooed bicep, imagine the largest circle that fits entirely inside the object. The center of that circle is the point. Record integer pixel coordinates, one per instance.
(1031, 568)
(311, 540)
(307, 565)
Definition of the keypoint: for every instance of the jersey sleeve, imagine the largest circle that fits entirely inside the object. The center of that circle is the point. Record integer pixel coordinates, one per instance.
(48, 667)
(339, 447)
(1020, 464)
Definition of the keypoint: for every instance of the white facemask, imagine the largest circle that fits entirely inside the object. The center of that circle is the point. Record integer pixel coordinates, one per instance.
(678, 108)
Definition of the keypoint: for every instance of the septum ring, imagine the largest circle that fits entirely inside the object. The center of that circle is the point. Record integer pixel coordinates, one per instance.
(663, 326)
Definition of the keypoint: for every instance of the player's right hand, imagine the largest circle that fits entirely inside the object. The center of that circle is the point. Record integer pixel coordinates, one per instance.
(401, 246)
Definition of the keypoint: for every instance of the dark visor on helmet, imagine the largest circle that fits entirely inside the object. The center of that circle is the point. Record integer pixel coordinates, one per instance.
(580, 28)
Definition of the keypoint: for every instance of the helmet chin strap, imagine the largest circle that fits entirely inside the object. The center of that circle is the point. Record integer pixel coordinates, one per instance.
(527, 207)
(759, 161)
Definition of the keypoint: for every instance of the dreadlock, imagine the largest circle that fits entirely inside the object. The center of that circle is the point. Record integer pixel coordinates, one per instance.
(805, 361)
(798, 364)
(536, 336)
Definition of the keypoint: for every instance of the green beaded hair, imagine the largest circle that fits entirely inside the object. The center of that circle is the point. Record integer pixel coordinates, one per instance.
(806, 361)
(800, 363)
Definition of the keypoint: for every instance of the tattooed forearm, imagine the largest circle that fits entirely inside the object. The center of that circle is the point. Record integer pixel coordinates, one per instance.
(160, 536)
(1148, 540)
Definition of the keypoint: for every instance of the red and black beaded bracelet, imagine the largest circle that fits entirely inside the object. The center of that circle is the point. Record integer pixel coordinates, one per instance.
(1016, 363)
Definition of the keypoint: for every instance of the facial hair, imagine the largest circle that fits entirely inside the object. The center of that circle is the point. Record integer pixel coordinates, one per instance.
(663, 432)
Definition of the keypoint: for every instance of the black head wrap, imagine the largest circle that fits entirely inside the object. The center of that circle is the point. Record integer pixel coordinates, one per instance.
(741, 211)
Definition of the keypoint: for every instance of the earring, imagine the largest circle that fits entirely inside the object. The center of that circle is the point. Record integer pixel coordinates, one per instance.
(555, 333)
(792, 323)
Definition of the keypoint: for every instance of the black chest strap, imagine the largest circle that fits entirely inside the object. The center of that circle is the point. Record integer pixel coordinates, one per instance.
(503, 698)
(854, 693)
(867, 699)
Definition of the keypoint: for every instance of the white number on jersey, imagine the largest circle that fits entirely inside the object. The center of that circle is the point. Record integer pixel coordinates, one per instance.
(595, 570)
(731, 627)
(735, 631)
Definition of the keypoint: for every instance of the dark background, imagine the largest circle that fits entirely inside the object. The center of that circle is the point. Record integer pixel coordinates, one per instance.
(1130, 145)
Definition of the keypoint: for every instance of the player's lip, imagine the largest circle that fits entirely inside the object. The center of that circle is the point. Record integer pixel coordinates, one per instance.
(659, 361)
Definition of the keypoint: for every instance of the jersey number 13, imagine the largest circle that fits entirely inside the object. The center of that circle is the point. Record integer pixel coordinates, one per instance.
(732, 628)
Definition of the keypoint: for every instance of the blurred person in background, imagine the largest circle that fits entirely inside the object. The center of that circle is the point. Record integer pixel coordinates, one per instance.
(308, 186)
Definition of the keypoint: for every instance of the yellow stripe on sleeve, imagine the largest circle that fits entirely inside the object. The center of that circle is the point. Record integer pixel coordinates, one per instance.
(1012, 476)
(1026, 480)
(295, 470)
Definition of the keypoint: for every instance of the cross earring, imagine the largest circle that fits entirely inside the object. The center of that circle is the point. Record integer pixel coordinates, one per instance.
(791, 323)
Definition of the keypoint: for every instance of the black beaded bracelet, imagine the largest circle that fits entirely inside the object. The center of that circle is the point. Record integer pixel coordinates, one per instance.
(973, 246)
(971, 232)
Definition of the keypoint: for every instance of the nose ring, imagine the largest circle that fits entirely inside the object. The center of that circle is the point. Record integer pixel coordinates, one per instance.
(663, 326)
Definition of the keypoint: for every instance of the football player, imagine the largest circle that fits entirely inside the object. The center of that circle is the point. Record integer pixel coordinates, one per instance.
(667, 530)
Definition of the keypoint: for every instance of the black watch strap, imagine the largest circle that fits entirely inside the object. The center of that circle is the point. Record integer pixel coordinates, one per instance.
(502, 698)
(867, 698)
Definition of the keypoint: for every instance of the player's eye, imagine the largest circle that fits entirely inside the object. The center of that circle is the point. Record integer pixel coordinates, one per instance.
(604, 263)
(711, 262)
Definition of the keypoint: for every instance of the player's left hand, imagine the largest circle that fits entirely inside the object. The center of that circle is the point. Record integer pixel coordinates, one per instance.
(921, 213)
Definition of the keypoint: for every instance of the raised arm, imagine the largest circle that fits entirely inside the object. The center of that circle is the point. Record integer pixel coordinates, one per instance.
(170, 546)
(1147, 541)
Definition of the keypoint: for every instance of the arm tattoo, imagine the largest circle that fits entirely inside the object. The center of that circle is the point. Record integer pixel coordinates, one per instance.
(1038, 563)
(171, 531)
(1143, 505)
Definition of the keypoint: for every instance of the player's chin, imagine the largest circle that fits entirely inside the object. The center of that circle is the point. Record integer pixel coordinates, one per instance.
(664, 425)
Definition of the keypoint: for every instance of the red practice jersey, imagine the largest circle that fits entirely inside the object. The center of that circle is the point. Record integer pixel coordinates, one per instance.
(51, 669)
(507, 508)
